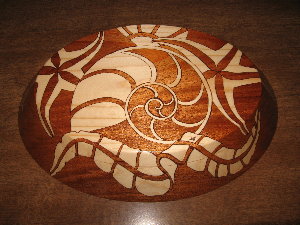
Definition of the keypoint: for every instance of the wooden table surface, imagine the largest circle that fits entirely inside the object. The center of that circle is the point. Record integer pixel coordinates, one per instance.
(266, 31)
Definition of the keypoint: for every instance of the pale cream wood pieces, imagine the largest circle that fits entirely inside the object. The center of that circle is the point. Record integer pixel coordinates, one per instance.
(148, 111)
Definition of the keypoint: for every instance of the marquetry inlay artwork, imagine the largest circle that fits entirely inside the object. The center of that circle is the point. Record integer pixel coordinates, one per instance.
(145, 112)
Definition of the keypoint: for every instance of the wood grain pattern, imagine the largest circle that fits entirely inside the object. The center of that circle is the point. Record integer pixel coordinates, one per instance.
(266, 31)
(142, 109)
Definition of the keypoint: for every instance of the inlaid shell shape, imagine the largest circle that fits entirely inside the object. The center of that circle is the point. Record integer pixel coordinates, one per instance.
(145, 112)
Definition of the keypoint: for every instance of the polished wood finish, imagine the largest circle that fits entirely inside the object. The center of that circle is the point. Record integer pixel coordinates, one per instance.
(147, 113)
(266, 31)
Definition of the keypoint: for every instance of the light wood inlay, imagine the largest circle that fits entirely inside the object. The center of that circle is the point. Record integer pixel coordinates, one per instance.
(140, 108)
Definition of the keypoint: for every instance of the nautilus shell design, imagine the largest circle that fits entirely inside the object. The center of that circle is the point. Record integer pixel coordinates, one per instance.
(142, 107)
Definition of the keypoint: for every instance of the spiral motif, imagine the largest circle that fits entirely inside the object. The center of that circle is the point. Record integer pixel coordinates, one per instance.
(155, 107)
(160, 105)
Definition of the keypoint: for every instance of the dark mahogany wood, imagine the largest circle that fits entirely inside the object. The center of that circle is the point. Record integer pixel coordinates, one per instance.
(147, 113)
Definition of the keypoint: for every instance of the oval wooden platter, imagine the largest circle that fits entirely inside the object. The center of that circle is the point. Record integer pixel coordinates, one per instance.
(146, 113)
